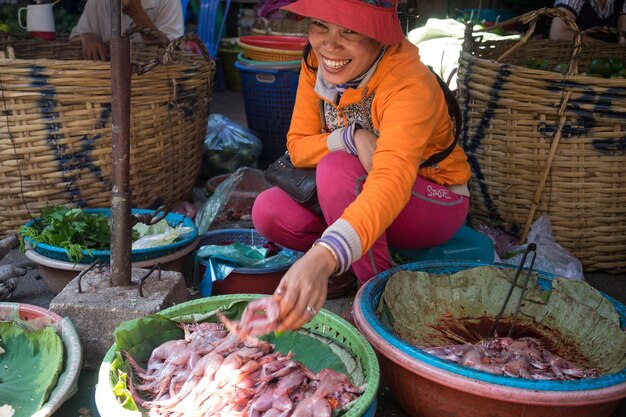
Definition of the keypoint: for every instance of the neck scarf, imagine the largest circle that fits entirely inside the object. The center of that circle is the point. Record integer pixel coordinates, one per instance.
(355, 82)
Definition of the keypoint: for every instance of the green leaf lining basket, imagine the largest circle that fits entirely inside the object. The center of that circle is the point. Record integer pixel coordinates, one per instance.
(325, 326)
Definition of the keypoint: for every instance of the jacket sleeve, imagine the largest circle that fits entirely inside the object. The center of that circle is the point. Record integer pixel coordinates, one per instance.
(305, 142)
(409, 115)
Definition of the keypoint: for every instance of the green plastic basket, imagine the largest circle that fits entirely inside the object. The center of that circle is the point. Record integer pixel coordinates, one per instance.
(325, 324)
(268, 64)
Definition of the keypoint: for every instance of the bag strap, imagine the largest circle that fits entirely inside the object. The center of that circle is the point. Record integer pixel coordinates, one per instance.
(455, 113)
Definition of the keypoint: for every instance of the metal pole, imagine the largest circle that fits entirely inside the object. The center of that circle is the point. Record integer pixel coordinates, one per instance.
(121, 194)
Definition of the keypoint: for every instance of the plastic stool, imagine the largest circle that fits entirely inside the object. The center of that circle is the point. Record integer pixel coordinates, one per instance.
(467, 244)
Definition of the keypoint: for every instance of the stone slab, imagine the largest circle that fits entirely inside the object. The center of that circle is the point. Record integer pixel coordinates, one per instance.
(99, 308)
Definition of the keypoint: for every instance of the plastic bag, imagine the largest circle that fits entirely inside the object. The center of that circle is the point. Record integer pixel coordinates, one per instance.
(233, 198)
(158, 234)
(550, 256)
(221, 260)
(228, 146)
(502, 241)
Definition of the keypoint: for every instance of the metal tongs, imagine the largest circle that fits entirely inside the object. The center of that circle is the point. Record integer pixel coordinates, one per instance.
(149, 218)
(532, 247)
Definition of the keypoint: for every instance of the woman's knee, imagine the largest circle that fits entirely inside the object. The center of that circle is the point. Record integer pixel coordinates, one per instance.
(339, 171)
(264, 210)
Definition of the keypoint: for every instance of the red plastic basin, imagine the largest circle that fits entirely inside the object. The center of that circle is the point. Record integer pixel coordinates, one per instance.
(425, 390)
(287, 43)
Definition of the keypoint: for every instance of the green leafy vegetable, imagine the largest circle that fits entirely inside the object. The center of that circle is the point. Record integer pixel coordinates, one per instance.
(29, 367)
(71, 229)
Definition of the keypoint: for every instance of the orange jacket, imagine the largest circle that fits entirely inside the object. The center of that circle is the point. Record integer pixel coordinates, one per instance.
(408, 112)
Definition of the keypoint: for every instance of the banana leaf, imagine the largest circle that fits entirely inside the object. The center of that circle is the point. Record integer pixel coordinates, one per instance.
(30, 364)
(438, 309)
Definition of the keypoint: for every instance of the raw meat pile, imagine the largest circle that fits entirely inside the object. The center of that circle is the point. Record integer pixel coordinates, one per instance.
(217, 372)
(524, 357)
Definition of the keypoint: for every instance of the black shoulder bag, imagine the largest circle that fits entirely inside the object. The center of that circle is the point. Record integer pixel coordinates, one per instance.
(300, 183)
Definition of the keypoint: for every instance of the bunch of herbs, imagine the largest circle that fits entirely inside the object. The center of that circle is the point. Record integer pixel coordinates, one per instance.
(71, 229)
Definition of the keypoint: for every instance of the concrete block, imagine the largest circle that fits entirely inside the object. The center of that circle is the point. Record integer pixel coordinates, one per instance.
(99, 307)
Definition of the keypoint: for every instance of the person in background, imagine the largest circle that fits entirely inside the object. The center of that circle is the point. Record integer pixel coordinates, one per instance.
(588, 14)
(94, 26)
(367, 113)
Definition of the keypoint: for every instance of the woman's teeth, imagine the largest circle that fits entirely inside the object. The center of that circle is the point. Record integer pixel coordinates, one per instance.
(335, 64)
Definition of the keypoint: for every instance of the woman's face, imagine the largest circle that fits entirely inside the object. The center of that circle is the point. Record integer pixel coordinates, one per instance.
(343, 54)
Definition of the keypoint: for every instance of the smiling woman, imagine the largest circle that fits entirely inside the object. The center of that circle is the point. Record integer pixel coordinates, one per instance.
(337, 48)
(373, 121)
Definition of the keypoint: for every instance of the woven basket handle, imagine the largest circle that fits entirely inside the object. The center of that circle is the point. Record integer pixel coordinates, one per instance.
(604, 29)
(178, 42)
(531, 19)
(159, 38)
(572, 69)
(142, 68)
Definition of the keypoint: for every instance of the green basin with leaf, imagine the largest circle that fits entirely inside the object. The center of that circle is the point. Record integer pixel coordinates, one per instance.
(41, 362)
(327, 341)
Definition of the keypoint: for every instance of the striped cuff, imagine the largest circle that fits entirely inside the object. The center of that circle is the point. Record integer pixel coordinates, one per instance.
(345, 242)
(342, 139)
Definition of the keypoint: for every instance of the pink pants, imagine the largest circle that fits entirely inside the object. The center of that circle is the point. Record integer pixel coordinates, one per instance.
(430, 218)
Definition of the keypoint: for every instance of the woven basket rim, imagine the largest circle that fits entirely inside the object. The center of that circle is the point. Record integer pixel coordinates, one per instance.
(270, 50)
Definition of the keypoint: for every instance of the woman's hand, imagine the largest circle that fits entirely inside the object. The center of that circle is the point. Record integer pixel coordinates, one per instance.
(302, 291)
(365, 143)
(93, 48)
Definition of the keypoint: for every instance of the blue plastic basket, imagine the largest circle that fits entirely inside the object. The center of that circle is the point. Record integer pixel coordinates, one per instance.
(269, 96)
(137, 255)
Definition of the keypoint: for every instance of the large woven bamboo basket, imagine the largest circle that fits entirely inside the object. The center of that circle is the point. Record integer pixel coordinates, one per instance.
(543, 142)
(55, 134)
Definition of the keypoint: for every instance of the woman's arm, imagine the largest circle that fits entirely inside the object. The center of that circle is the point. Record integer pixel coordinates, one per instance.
(305, 141)
(88, 32)
(136, 12)
(559, 31)
(168, 18)
(621, 26)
